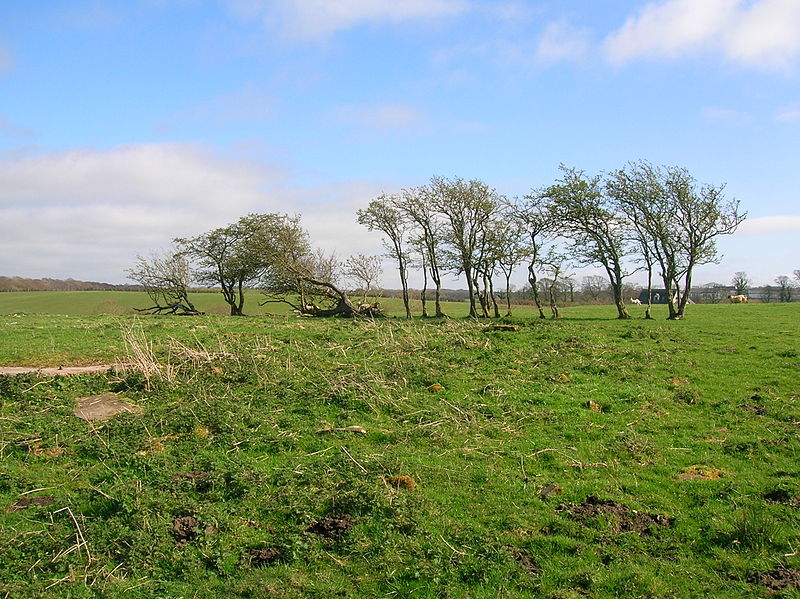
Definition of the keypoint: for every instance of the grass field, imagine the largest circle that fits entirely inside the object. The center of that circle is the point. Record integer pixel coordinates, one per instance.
(584, 457)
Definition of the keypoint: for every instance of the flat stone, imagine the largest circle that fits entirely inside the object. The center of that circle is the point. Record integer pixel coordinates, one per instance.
(97, 408)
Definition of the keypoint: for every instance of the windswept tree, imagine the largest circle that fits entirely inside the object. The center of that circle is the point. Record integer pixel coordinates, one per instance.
(165, 277)
(534, 220)
(679, 220)
(415, 203)
(365, 271)
(307, 280)
(597, 234)
(741, 283)
(510, 250)
(554, 263)
(383, 215)
(466, 207)
(234, 257)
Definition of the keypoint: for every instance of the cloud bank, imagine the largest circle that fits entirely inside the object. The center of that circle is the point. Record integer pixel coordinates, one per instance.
(87, 213)
(762, 34)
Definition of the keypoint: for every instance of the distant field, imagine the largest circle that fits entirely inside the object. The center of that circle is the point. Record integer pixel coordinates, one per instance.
(84, 303)
(583, 457)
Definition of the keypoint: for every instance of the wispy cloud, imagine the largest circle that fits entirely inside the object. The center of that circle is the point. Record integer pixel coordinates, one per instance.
(769, 224)
(388, 118)
(562, 42)
(762, 34)
(319, 19)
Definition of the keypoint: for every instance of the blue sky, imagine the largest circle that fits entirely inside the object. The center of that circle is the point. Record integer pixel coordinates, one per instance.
(126, 123)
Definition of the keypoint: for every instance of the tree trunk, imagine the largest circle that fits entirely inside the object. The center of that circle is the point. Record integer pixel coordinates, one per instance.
(494, 299)
(423, 296)
(404, 283)
(649, 293)
(473, 312)
(508, 293)
(535, 288)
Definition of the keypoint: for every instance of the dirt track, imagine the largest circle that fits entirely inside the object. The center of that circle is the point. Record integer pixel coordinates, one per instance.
(58, 371)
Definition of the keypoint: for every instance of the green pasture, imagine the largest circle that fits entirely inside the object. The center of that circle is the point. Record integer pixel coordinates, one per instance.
(570, 458)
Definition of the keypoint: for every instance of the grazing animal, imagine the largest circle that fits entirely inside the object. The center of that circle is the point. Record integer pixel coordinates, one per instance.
(737, 299)
(636, 301)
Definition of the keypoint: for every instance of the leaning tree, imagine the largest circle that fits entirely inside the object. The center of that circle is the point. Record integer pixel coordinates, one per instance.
(597, 234)
(307, 280)
(165, 278)
(234, 257)
(383, 215)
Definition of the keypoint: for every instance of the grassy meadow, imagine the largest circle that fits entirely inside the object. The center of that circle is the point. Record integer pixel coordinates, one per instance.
(276, 456)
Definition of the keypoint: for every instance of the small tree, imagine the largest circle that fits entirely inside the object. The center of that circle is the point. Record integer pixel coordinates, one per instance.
(416, 204)
(594, 286)
(597, 234)
(741, 283)
(383, 215)
(305, 279)
(784, 288)
(677, 220)
(535, 222)
(467, 208)
(236, 256)
(165, 278)
(365, 271)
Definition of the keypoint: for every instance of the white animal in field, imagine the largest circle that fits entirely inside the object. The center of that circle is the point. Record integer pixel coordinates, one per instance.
(737, 299)
(636, 301)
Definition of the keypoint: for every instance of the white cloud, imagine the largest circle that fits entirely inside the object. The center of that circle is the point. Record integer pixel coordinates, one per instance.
(381, 119)
(560, 42)
(767, 33)
(769, 224)
(762, 33)
(319, 19)
(87, 213)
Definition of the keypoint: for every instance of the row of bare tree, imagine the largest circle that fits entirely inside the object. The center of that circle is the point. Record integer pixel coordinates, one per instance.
(639, 217)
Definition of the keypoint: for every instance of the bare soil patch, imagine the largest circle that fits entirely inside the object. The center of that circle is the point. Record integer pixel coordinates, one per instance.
(332, 528)
(624, 518)
(25, 502)
(778, 580)
(265, 556)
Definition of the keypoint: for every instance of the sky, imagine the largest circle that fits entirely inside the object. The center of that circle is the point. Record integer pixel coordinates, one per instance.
(124, 124)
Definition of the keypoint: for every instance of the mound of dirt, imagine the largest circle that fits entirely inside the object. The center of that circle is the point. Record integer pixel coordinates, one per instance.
(778, 580)
(525, 560)
(185, 528)
(332, 528)
(265, 556)
(624, 518)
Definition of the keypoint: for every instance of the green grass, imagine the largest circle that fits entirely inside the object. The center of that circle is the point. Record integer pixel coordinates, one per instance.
(231, 440)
